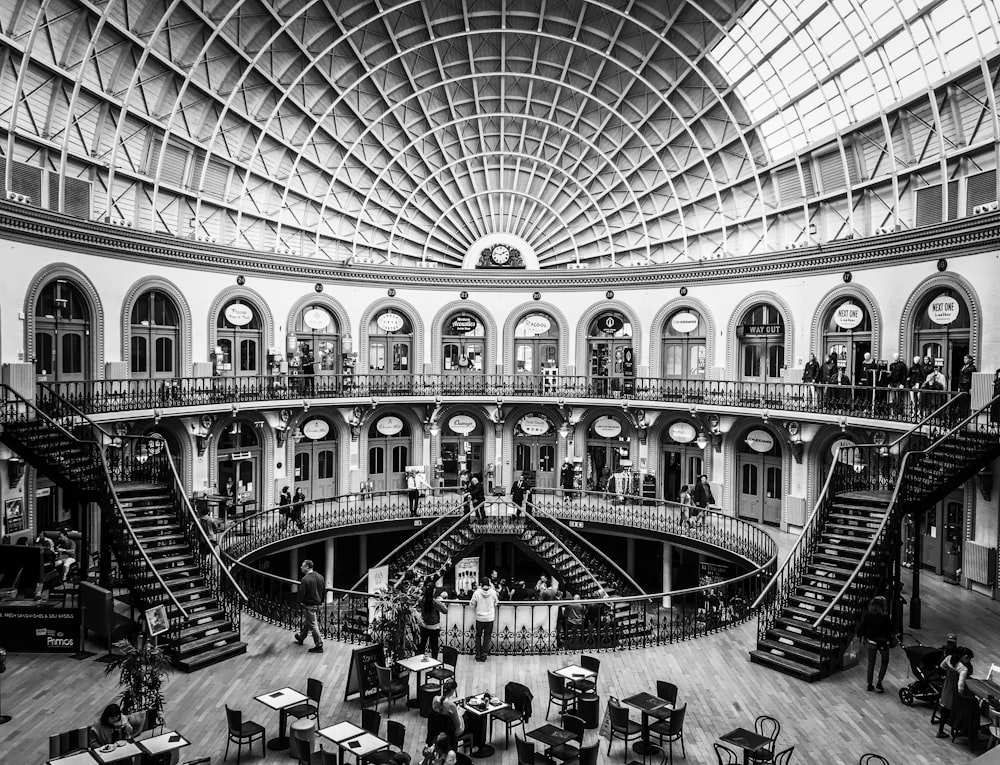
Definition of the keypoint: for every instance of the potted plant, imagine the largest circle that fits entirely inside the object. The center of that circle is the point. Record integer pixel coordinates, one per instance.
(142, 671)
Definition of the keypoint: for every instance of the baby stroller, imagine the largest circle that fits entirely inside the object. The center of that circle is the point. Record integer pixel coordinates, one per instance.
(925, 663)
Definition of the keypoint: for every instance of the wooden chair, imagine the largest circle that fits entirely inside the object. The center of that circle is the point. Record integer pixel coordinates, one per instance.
(666, 691)
(671, 730)
(519, 698)
(577, 726)
(395, 734)
(309, 707)
(725, 756)
(589, 684)
(389, 687)
(371, 721)
(558, 694)
(526, 754)
(328, 758)
(769, 728)
(449, 665)
(621, 726)
(242, 733)
(438, 722)
(587, 755)
(69, 741)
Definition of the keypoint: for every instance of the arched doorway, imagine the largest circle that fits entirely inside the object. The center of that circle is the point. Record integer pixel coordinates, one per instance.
(942, 331)
(681, 461)
(759, 478)
(462, 439)
(535, 450)
(155, 336)
(847, 331)
(684, 346)
(536, 346)
(239, 350)
(316, 329)
(315, 459)
(761, 334)
(388, 453)
(463, 346)
(609, 456)
(62, 332)
(238, 459)
(390, 343)
(612, 358)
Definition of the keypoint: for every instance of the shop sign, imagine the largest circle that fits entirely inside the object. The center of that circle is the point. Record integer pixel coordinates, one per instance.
(684, 322)
(849, 315)
(845, 456)
(316, 318)
(463, 323)
(389, 426)
(607, 427)
(753, 330)
(462, 424)
(316, 429)
(533, 425)
(943, 309)
(389, 322)
(682, 433)
(610, 323)
(239, 315)
(536, 324)
(760, 441)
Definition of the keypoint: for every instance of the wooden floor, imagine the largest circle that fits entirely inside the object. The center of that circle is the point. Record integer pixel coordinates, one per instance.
(830, 722)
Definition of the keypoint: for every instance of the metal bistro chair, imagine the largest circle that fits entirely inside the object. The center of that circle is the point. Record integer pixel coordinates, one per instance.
(519, 698)
(768, 727)
(371, 721)
(559, 694)
(666, 691)
(784, 756)
(725, 756)
(242, 733)
(621, 726)
(671, 730)
(309, 707)
(449, 665)
(872, 759)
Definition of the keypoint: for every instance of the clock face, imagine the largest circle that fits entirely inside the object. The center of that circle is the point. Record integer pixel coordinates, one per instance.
(500, 254)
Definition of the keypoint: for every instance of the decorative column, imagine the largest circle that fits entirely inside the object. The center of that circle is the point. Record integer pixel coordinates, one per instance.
(328, 568)
(630, 556)
(668, 578)
(293, 564)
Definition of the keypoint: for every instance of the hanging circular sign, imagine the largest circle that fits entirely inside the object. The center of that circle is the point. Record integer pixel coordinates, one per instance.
(463, 323)
(238, 314)
(760, 441)
(462, 424)
(533, 425)
(607, 427)
(610, 323)
(682, 432)
(154, 445)
(389, 322)
(536, 324)
(316, 429)
(846, 444)
(849, 315)
(684, 322)
(389, 426)
(316, 318)
(943, 309)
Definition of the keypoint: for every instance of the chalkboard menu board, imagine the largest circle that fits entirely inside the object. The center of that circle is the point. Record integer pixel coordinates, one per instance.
(362, 679)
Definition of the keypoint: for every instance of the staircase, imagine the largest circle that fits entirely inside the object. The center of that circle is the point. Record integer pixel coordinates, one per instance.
(146, 521)
(846, 553)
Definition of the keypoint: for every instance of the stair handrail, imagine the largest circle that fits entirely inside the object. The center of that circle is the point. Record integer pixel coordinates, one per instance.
(563, 545)
(600, 554)
(399, 580)
(213, 548)
(818, 505)
(892, 502)
(97, 448)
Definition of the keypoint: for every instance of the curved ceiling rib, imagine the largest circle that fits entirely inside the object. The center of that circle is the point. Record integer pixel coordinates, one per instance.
(602, 134)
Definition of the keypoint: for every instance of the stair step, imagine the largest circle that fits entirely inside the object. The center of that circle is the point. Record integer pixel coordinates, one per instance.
(844, 558)
(800, 638)
(203, 627)
(786, 665)
(826, 572)
(800, 653)
(186, 648)
(213, 656)
(160, 552)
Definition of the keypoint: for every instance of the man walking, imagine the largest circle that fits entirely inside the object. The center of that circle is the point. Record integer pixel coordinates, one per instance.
(477, 496)
(702, 497)
(312, 588)
(519, 492)
(484, 603)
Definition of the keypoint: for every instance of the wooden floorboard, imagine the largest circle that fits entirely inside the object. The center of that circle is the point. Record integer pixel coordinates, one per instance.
(830, 722)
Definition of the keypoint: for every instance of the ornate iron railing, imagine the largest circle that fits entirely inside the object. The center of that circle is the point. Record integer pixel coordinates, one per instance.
(110, 396)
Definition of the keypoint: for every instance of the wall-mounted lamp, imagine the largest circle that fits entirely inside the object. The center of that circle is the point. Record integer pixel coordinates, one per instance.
(157, 416)
(765, 416)
(374, 402)
(843, 423)
(434, 429)
(564, 430)
(701, 441)
(235, 408)
(280, 433)
(305, 405)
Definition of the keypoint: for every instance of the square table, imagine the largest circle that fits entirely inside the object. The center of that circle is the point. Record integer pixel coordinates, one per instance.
(362, 745)
(168, 741)
(749, 741)
(418, 664)
(573, 673)
(551, 736)
(341, 731)
(650, 706)
(77, 758)
(281, 700)
(119, 753)
(478, 711)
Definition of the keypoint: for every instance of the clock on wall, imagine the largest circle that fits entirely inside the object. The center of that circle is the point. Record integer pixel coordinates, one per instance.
(500, 256)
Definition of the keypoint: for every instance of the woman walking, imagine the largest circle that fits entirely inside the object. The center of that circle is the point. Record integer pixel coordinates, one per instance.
(876, 630)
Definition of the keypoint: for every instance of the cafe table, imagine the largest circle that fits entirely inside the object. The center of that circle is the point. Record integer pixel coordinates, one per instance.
(281, 700)
(158, 746)
(650, 706)
(551, 736)
(982, 688)
(362, 745)
(574, 673)
(749, 741)
(104, 755)
(418, 665)
(341, 731)
(77, 758)
(479, 711)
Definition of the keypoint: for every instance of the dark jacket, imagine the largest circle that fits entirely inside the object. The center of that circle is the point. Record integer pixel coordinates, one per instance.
(702, 495)
(311, 589)
(811, 372)
(965, 377)
(897, 373)
(876, 628)
(519, 490)
(477, 491)
(915, 378)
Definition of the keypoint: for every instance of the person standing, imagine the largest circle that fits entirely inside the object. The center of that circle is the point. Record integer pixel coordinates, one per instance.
(431, 609)
(810, 375)
(995, 406)
(312, 588)
(519, 492)
(298, 507)
(876, 631)
(957, 669)
(308, 371)
(285, 505)
(414, 480)
(686, 502)
(897, 380)
(702, 496)
(477, 496)
(965, 382)
(567, 479)
(484, 604)
(915, 379)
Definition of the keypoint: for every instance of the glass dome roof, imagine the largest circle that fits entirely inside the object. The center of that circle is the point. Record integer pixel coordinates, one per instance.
(400, 133)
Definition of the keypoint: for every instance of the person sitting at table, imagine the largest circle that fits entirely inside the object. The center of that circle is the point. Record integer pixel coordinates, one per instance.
(114, 726)
(440, 752)
(50, 576)
(66, 553)
(444, 704)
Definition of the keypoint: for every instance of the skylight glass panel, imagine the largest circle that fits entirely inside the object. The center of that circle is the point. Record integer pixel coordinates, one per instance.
(883, 18)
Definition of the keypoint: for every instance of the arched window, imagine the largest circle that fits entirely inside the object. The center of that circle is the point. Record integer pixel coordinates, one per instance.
(390, 343)
(847, 331)
(684, 355)
(62, 332)
(155, 339)
(317, 328)
(942, 331)
(463, 338)
(612, 359)
(536, 344)
(239, 344)
(761, 334)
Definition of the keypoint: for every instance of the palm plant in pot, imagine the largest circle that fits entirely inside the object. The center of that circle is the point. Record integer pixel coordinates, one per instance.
(142, 669)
